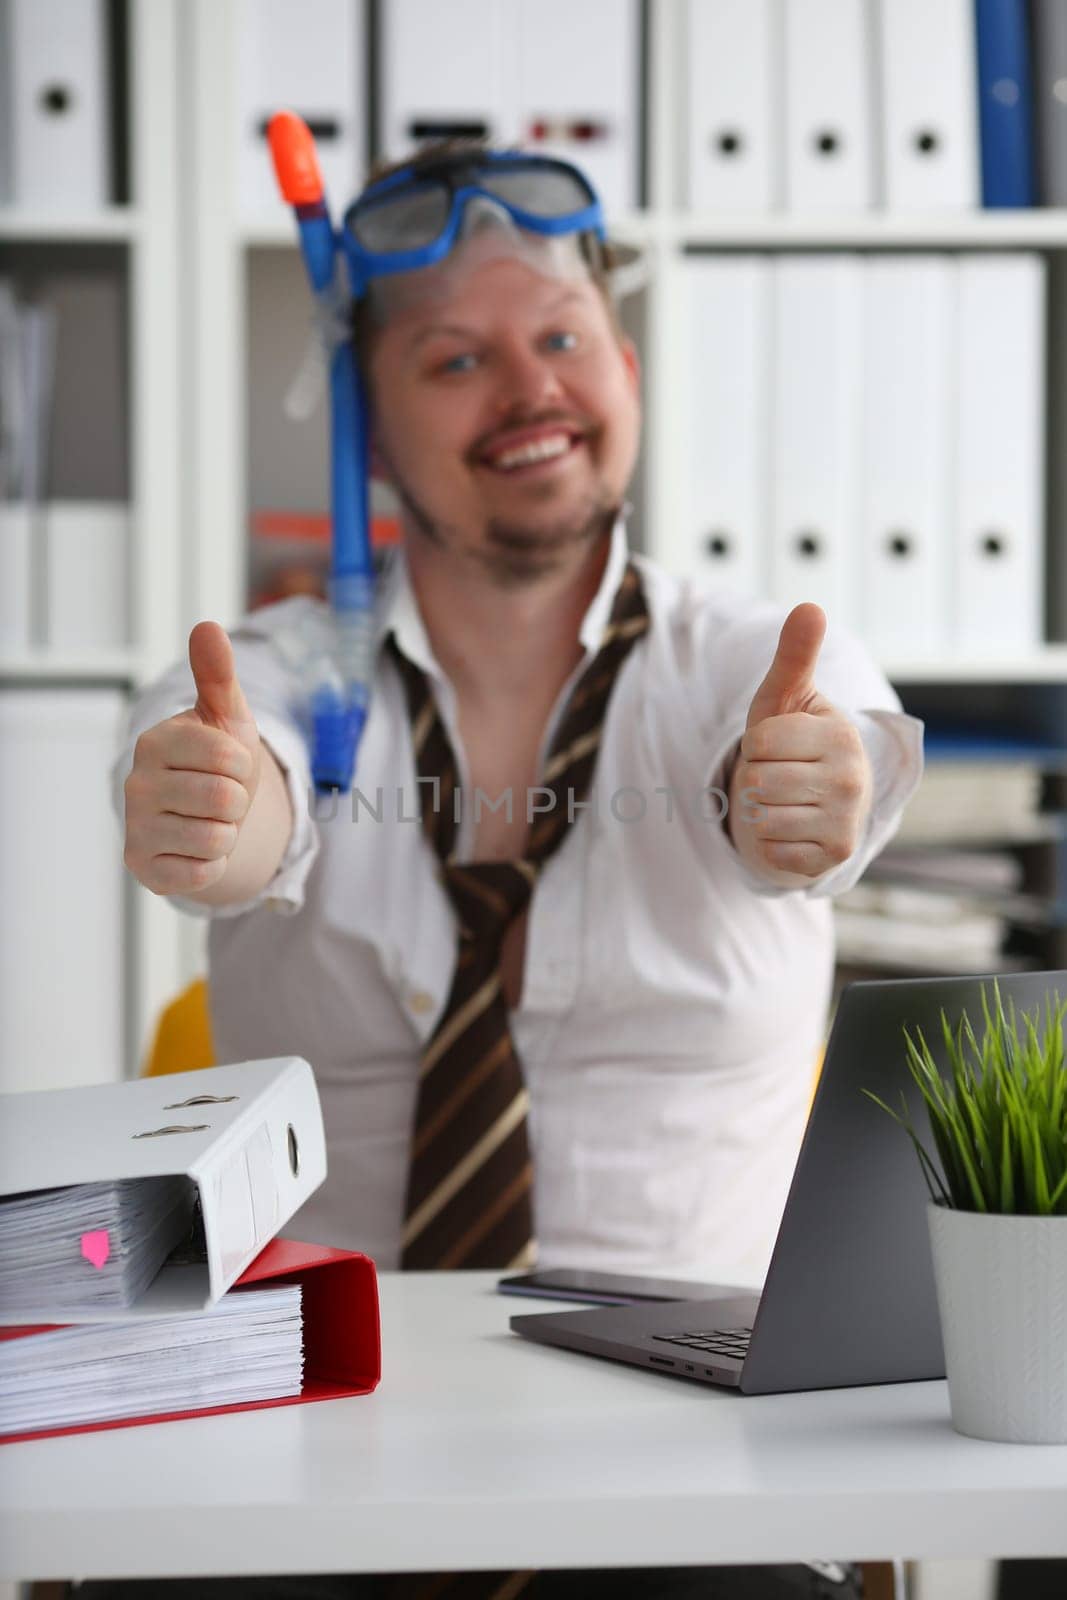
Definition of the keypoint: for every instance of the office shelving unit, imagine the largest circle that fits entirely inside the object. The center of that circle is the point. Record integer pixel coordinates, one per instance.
(191, 261)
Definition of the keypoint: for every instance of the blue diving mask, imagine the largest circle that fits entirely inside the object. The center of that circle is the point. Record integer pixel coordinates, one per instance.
(415, 217)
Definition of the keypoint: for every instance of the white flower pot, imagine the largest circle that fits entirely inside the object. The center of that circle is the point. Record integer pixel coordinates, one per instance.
(1002, 1294)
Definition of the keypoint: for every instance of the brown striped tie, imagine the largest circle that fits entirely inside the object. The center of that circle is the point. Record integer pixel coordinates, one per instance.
(470, 1181)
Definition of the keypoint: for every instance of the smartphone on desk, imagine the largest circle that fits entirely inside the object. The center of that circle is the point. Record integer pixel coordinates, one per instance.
(610, 1288)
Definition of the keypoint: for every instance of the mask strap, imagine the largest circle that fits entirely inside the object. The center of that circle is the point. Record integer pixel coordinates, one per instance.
(330, 328)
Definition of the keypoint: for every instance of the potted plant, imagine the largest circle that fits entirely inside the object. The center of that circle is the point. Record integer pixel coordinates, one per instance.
(997, 1110)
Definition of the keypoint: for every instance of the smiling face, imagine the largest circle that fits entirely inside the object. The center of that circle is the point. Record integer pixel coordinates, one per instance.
(506, 416)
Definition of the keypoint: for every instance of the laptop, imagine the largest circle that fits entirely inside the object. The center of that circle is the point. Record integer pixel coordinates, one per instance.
(849, 1295)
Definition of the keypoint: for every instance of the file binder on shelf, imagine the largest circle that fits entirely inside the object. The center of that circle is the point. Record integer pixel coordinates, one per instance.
(816, 409)
(474, 98)
(62, 974)
(580, 102)
(76, 362)
(727, 470)
(512, 82)
(16, 577)
(309, 59)
(86, 560)
(342, 1339)
(926, 50)
(16, 566)
(1050, 99)
(55, 97)
(27, 396)
(1000, 463)
(829, 157)
(905, 527)
(1005, 103)
(732, 106)
(248, 1137)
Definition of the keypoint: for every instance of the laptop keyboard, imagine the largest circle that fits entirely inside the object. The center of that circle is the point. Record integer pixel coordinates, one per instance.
(716, 1342)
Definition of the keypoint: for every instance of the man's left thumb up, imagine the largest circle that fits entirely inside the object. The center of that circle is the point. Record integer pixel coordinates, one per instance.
(790, 681)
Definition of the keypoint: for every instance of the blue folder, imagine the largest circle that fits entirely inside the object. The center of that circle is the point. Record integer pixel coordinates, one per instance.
(1005, 103)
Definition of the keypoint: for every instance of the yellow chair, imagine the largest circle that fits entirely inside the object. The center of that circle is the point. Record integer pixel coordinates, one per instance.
(182, 1041)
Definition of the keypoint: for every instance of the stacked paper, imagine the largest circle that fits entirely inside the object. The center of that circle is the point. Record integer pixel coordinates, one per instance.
(910, 929)
(247, 1348)
(91, 1245)
(965, 872)
(969, 800)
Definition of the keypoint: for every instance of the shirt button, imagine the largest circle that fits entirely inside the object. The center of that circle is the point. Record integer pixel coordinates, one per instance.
(420, 1001)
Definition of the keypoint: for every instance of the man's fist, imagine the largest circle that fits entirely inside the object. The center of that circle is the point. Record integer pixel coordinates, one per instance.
(801, 785)
(194, 778)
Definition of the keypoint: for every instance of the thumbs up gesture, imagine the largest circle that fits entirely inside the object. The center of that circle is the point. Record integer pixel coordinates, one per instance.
(801, 786)
(194, 778)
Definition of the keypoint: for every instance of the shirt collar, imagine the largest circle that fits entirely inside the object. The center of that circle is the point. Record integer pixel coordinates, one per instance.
(398, 611)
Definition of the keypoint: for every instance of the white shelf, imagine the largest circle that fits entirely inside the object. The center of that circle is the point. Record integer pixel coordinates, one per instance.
(116, 224)
(1046, 665)
(271, 231)
(107, 667)
(279, 228)
(1036, 229)
(928, 230)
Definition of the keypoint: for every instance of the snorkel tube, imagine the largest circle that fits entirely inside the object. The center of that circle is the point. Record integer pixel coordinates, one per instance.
(339, 682)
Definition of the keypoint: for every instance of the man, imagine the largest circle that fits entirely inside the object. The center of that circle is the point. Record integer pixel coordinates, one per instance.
(611, 966)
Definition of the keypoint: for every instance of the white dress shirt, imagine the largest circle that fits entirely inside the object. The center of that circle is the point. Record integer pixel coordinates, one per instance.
(672, 1004)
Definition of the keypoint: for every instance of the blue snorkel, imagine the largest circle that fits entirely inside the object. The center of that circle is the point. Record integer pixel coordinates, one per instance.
(339, 690)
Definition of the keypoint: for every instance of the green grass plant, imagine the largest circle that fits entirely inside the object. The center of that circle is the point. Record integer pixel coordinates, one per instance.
(998, 1115)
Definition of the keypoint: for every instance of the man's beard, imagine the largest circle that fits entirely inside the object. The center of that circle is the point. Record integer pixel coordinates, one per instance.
(516, 552)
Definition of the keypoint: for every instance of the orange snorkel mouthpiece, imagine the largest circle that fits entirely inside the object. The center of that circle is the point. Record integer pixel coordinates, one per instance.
(296, 166)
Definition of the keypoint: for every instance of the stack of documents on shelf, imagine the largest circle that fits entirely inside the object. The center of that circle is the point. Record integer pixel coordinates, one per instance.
(959, 801)
(93, 1245)
(966, 872)
(246, 1349)
(978, 859)
(915, 930)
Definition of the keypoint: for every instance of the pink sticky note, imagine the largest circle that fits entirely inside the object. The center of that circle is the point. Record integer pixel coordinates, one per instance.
(96, 1247)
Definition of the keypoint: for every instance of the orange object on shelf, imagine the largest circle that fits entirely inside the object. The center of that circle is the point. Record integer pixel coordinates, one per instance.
(289, 553)
(315, 527)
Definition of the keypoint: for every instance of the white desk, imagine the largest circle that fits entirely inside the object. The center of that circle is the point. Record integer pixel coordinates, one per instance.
(482, 1450)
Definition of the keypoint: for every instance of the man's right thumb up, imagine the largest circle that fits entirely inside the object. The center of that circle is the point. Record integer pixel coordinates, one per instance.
(220, 701)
